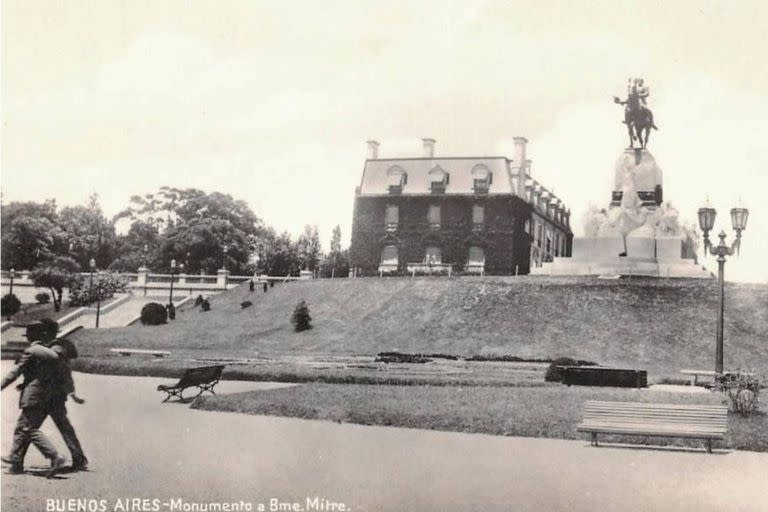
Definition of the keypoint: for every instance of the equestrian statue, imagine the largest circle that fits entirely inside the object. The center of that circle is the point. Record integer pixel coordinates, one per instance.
(637, 116)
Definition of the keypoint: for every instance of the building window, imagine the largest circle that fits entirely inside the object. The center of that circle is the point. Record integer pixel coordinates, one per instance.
(478, 216)
(396, 179)
(438, 180)
(539, 234)
(481, 179)
(476, 256)
(433, 255)
(391, 217)
(433, 216)
(557, 244)
(528, 226)
(389, 256)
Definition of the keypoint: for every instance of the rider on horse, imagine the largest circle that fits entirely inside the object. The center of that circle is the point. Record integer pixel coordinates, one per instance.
(637, 115)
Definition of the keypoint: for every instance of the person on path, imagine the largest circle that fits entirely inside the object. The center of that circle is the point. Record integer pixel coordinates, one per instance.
(39, 367)
(64, 387)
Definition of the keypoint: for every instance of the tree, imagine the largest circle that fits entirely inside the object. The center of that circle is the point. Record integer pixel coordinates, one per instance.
(336, 263)
(195, 227)
(131, 246)
(301, 318)
(56, 275)
(278, 255)
(89, 234)
(309, 248)
(31, 234)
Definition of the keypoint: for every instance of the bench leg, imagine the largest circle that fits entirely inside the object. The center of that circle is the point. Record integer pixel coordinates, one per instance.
(709, 446)
(594, 439)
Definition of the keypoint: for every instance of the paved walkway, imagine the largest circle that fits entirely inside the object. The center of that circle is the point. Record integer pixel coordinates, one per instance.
(140, 448)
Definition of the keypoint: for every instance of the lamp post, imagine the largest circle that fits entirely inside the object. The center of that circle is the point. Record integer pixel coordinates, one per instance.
(144, 268)
(224, 258)
(12, 274)
(707, 216)
(170, 296)
(92, 264)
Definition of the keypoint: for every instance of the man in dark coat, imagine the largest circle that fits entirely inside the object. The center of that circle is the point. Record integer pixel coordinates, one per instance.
(64, 387)
(39, 366)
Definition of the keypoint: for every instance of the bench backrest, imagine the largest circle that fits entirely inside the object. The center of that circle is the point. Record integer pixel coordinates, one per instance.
(201, 375)
(708, 417)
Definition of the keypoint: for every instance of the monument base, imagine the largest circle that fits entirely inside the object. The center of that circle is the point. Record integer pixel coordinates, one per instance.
(623, 266)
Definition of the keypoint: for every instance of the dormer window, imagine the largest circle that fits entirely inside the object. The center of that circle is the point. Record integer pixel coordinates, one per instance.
(438, 179)
(481, 179)
(396, 179)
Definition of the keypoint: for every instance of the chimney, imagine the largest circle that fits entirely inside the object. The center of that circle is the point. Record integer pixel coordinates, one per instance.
(519, 156)
(373, 149)
(528, 162)
(429, 148)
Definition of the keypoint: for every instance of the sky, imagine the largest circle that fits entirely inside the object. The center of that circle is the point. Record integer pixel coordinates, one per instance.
(272, 102)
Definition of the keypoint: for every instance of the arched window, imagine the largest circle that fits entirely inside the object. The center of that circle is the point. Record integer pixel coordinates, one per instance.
(433, 255)
(396, 179)
(389, 255)
(438, 179)
(476, 256)
(481, 178)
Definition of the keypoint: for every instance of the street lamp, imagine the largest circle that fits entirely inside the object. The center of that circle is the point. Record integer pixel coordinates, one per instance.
(92, 264)
(12, 274)
(170, 296)
(707, 216)
(146, 251)
(224, 259)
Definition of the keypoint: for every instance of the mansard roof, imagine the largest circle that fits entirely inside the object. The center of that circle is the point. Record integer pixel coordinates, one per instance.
(462, 171)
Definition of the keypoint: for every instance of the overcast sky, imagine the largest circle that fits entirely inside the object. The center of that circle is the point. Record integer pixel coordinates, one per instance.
(273, 102)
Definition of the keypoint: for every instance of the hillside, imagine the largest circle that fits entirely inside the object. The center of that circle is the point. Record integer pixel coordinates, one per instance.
(663, 325)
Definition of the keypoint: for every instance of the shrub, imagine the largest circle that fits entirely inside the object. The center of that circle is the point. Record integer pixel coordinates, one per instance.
(554, 374)
(105, 285)
(43, 298)
(245, 304)
(742, 391)
(56, 275)
(205, 305)
(9, 305)
(300, 318)
(153, 313)
(171, 311)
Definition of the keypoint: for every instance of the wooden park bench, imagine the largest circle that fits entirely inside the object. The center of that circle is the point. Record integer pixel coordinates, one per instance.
(203, 378)
(707, 422)
(129, 351)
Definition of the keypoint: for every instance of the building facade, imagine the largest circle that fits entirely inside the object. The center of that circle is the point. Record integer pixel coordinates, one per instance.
(476, 215)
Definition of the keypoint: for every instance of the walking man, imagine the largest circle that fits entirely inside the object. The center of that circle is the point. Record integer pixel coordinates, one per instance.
(64, 387)
(38, 365)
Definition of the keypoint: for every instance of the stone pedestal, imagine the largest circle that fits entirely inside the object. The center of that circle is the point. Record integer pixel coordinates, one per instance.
(669, 248)
(221, 278)
(641, 247)
(305, 275)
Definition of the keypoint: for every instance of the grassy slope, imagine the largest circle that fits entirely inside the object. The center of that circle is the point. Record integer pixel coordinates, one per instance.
(661, 325)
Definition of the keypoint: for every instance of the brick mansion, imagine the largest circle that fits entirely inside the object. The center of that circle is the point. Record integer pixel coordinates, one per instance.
(474, 215)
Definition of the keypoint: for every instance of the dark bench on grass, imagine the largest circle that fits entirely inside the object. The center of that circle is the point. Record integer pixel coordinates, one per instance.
(203, 378)
(708, 422)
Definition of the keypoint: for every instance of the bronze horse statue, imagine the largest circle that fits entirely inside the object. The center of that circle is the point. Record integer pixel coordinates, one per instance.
(638, 118)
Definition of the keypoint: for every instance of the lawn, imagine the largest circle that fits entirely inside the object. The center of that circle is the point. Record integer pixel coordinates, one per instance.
(33, 312)
(551, 411)
(660, 325)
